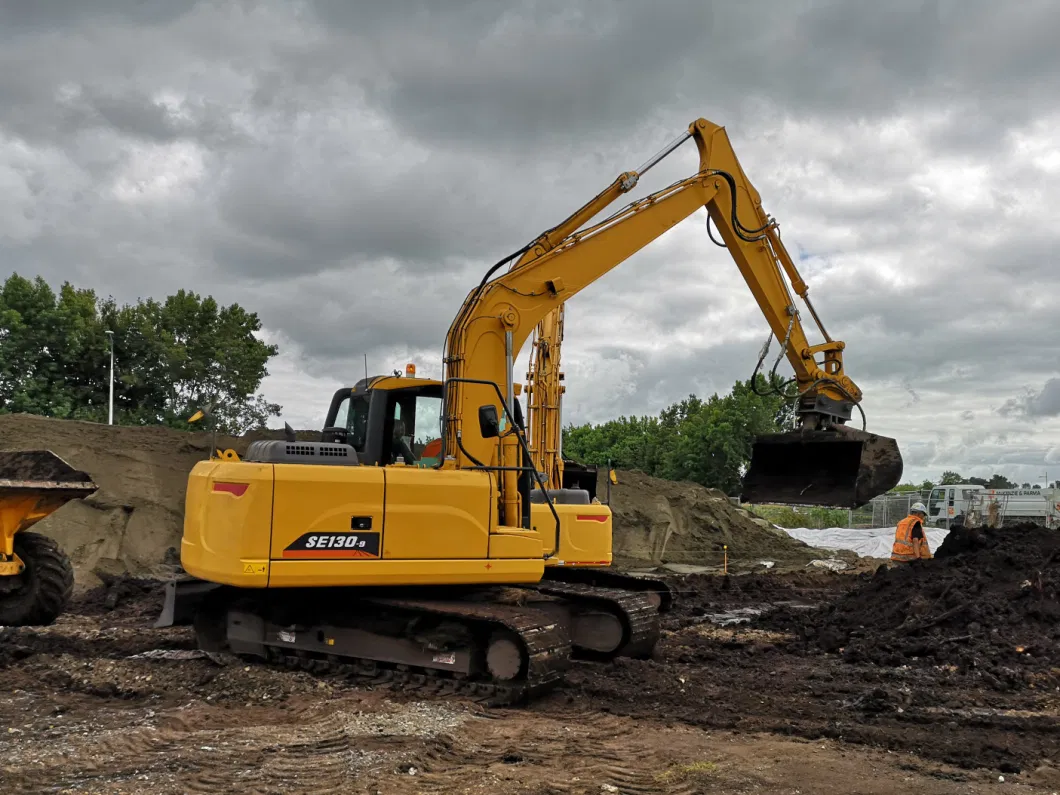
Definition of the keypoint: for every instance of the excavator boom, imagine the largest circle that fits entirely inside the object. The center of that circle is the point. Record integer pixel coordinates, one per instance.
(823, 462)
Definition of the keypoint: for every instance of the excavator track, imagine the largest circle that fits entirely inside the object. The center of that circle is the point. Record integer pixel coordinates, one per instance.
(657, 590)
(636, 612)
(515, 654)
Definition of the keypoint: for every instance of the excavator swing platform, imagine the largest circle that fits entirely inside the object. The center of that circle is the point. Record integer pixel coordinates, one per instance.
(36, 576)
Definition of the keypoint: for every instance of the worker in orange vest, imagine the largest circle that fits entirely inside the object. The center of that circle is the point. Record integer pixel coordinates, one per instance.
(910, 541)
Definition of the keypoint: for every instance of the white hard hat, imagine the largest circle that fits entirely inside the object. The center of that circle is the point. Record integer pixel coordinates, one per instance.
(918, 507)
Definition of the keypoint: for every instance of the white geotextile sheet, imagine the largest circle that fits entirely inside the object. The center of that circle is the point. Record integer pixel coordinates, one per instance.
(874, 542)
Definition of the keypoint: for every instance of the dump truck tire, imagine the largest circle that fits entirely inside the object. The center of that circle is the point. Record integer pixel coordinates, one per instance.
(46, 584)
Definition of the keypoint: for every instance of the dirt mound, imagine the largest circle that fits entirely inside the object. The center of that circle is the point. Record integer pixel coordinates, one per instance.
(132, 524)
(988, 604)
(663, 521)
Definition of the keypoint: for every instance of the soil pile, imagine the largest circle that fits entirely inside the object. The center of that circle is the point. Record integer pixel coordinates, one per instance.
(989, 602)
(663, 521)
(133, 523)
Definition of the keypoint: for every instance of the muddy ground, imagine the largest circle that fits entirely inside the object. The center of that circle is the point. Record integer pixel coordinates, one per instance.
(101, 702)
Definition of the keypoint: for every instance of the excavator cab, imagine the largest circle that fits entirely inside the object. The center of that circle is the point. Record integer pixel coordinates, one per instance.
(388, 420)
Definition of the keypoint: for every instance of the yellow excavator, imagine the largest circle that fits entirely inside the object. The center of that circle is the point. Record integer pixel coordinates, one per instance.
(36, 576)
(406, 544)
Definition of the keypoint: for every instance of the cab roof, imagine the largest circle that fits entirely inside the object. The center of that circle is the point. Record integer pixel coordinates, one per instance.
(388, 382)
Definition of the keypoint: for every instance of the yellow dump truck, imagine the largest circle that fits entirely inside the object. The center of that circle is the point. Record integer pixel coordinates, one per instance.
(36, 576)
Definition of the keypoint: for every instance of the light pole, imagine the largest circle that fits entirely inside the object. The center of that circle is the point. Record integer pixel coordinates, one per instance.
(110, 420)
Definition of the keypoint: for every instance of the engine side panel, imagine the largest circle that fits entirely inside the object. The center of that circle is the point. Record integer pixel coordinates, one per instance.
(319, 510)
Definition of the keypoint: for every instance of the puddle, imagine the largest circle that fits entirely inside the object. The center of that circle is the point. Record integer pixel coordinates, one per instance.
(742, 615)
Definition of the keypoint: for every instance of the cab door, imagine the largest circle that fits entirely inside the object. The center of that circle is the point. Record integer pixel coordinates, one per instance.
(431, 514)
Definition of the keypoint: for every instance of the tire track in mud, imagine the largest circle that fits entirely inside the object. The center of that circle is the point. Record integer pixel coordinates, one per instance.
(316, 748)
(316, 756)
(583, 753)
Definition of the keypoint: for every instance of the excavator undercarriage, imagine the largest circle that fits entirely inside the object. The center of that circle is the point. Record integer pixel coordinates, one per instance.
(504, 643)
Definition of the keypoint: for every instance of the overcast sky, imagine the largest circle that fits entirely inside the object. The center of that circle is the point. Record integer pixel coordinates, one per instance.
(349, 169)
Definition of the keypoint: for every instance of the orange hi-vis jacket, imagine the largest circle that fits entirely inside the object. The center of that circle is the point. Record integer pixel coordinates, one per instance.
(905, 547)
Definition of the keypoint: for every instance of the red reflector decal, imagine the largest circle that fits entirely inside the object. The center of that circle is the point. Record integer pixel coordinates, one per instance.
(592, 518)
(238, 489)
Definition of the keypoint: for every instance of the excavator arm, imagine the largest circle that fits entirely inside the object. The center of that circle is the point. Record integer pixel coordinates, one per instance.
(544, 395)
(544, 390)
(824, 462)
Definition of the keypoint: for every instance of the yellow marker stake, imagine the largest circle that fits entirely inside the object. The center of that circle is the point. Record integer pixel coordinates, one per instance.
(725, 547)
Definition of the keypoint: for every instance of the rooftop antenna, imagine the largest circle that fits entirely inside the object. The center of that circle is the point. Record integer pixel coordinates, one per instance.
(366, 367)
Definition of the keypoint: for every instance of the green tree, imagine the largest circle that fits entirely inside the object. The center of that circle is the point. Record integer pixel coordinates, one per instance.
(171, 357)
(999, 482)
(704, 441)
(950, 478)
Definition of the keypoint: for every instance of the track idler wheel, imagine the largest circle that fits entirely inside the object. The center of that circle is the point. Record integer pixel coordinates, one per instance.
(505, 657)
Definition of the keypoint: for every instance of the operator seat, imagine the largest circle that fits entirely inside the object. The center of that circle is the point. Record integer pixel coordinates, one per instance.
(399, 447)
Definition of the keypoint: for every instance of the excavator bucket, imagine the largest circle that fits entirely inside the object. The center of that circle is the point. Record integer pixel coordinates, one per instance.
(34, 484)
(843, 468)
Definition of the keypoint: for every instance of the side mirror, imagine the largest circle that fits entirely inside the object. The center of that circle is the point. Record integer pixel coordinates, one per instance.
(488, 422)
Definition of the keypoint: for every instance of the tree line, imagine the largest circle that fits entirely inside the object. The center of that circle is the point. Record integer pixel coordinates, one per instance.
(172, 357)
(702, 441)
(709, 441)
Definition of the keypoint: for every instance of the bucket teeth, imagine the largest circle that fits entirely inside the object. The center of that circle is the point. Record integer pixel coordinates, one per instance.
(841, 468)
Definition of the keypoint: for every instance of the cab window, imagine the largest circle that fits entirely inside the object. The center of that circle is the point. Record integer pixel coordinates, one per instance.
(426, 436)
(352, 414)
(416, 422)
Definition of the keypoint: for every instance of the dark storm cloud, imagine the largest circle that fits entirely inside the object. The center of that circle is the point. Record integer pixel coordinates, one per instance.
(1044, 402)
(50, 16)
(473, 70)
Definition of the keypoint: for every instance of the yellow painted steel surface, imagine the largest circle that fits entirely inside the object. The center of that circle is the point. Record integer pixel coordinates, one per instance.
(585, 533)
(516, 544)
(297, 573)
(17, 512)
(315, 500)
(436, 515)
(10, 568)
(228, 522)
(292, 525)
